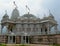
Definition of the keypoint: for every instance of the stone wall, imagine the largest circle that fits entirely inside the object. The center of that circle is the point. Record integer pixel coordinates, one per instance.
(3, 39)
(41, 39)
(46, 39)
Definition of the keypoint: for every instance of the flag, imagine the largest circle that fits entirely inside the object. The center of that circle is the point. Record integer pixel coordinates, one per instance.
(27, 7)
(15, 3)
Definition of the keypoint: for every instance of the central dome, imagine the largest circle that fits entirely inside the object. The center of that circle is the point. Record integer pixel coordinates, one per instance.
(15, 14)
(29, 15)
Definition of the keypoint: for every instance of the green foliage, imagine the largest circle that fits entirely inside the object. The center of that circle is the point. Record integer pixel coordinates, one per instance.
(24, 45)
(56, 45)
(2, 44)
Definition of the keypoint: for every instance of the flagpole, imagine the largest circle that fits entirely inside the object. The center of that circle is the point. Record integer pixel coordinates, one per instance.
(27, 9)
(15, 4)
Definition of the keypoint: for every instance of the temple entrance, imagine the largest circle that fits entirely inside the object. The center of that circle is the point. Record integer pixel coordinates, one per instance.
(11, 39)
(25, 40)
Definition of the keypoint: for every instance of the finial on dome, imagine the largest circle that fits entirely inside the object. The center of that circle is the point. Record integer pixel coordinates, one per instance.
(28, 12)
(6, 11)
(15, 4)
(50, 14)
(44, 15)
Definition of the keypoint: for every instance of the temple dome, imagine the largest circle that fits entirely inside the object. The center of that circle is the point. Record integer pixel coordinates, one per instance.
(29, 16)
(5, 17)
(15, 14)
(51, 16)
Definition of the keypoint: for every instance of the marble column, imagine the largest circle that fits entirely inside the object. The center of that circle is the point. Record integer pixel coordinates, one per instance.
(25, 39)
(12, 40)
(22, 40)
(48, 29)
(31, 31)
(40, 31)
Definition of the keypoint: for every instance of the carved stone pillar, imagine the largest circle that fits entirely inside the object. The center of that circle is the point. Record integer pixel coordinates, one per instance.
(48, 29)
(38, 31)
(21, 39)
(31, 31)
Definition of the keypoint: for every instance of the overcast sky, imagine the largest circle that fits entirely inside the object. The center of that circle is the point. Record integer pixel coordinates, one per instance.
(37, 7)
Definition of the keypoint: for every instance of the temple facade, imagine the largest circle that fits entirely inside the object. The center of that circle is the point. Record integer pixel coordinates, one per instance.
(27, 29)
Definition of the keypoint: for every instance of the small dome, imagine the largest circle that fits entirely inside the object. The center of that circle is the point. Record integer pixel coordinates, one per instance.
(51, 16)
(15, 14)
(5, 17)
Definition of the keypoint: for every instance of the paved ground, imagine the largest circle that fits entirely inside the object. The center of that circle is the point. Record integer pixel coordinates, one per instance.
(28, 45)
(39, 45)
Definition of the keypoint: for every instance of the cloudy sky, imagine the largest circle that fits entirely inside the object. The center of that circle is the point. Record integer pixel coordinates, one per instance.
(37, 7)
